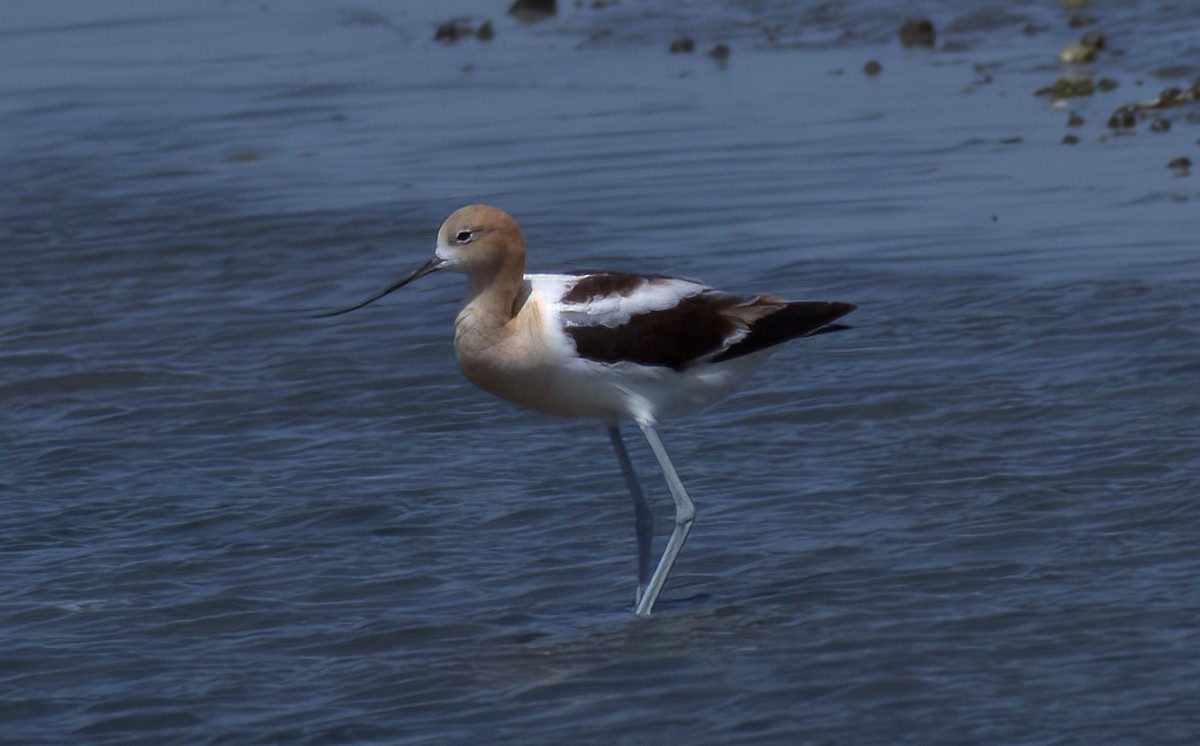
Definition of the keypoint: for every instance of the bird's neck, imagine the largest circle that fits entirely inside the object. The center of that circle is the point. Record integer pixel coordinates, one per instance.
(485, 325)
(492, 297)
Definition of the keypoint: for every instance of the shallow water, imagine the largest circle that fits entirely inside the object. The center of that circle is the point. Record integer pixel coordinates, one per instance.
(972, 518)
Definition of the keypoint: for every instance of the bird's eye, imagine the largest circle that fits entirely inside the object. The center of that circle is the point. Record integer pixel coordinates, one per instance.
(464, 236)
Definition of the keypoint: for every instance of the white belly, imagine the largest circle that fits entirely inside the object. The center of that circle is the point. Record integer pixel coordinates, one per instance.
(606, 391)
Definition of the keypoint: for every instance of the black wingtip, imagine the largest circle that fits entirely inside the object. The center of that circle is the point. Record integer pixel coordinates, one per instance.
(796, 319)
(836, 310)
(828, 329)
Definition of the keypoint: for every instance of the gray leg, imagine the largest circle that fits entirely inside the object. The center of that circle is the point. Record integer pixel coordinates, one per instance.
(643, 518)
(685, 513)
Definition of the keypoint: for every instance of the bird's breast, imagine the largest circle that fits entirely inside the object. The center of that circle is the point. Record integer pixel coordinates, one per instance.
(507, 358)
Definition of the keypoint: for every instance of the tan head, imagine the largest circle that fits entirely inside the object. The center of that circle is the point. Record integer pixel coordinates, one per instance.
(482, 241)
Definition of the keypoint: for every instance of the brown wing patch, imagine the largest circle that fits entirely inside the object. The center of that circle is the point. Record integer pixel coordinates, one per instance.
(600, 285)
(703, 325)
(672, 337)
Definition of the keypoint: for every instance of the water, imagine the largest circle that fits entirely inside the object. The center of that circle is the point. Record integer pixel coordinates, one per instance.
(972, 518)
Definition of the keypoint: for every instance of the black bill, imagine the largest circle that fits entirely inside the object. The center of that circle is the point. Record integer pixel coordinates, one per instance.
(432, 265)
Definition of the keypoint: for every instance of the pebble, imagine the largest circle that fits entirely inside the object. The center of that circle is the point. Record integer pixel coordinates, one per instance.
(683, 45)
(719, 52)
(1074, 54)
(917, 32)
(531, 11)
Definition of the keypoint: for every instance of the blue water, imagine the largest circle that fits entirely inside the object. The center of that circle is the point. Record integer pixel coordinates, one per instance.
(973, 518)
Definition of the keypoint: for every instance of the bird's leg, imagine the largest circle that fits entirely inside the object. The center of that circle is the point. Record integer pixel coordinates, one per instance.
(685, 513)
(643, 518)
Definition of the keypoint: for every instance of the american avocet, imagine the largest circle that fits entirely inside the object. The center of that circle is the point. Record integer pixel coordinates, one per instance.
(604, 345)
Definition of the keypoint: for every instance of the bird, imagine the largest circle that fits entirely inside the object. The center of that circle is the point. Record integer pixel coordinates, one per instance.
(607, 346)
